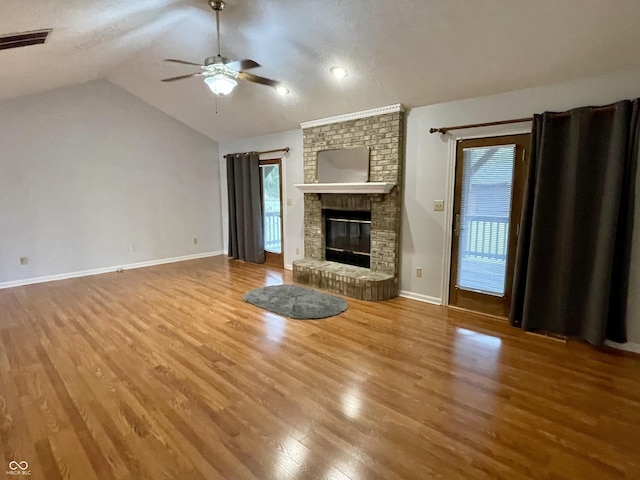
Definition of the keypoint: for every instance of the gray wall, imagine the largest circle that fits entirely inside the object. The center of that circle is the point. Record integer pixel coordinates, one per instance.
(428, 163)
(92, 177)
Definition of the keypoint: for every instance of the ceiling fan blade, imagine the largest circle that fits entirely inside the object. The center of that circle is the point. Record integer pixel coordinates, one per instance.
(182, 62)
(182, 77)
(257, 79)
(242, 64)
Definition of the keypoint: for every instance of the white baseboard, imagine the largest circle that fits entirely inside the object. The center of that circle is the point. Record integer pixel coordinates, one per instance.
(628, 347)
(421, 298)
(288, 266)
(98, 271)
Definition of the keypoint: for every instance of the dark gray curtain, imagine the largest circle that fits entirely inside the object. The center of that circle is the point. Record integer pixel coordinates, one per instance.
(572, 263)
(246, 230)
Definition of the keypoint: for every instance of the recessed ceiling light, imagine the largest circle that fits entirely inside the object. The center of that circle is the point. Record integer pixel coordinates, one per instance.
(339, 72)
(282, 90)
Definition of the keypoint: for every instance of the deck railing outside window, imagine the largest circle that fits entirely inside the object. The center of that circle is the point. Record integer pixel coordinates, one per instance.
(483, 253)
(272, 232)
(486, 237)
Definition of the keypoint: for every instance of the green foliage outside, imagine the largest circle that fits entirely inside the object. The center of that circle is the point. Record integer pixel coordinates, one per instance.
(271, 186)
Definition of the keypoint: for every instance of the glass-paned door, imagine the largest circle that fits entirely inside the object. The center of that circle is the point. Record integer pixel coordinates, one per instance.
(272, 209)
(488, 199)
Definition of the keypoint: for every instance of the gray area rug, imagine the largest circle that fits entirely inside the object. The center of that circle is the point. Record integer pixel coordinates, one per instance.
(296, 302)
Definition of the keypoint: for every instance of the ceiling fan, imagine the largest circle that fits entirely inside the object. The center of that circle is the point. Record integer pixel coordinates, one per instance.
(220, 73)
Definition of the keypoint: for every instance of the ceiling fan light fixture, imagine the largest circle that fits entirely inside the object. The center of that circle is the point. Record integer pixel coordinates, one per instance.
(282, 90)
(339, 72)
(221, 84)
(222, 74)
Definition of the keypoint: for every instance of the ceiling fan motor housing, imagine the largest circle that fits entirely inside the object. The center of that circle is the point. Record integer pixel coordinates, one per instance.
(216, 59)
(217, 5)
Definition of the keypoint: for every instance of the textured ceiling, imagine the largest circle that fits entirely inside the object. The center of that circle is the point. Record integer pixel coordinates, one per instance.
(415, 52)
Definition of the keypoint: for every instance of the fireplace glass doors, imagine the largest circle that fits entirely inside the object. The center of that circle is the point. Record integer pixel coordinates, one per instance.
(348, 237)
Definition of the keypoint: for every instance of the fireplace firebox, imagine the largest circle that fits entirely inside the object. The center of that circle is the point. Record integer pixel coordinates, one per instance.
(348, 237)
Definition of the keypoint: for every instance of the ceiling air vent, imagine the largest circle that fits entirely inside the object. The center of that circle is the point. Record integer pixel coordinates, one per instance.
(24, 39)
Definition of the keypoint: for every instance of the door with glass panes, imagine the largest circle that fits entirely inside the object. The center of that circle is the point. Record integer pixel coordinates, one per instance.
(489, 187)
(271, 182)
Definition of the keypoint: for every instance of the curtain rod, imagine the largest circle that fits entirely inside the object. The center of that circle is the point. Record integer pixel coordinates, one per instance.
(285, 149)
(473, 125)
(515, 120)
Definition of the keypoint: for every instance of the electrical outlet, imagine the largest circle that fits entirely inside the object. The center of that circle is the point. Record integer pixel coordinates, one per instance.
(24, 261)
(438, 205)
(289, 202)
(133, 247)
(297, 251)
(195, 240)
(419, 272)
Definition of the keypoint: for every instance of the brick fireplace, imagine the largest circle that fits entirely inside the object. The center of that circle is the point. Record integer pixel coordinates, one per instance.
(382, 130)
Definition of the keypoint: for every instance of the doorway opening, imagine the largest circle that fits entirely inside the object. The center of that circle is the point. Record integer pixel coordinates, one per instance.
(489, 189)
(271, 187)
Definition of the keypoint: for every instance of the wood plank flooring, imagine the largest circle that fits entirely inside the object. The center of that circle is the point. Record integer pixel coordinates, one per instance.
(165, 372)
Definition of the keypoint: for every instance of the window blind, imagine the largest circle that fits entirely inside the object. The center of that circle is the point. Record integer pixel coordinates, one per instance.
(487, 180)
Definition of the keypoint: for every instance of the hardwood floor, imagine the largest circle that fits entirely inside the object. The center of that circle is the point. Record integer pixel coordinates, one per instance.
(165, 372)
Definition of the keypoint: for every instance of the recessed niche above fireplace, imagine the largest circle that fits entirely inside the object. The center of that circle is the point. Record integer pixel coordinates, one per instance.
(343, 165)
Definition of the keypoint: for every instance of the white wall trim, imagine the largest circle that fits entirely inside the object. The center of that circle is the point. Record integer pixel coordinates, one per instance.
(353, 116)
(98, 271)
(288, 266)
(370, 188)
(420, 297)
(448, 221)
(627, 347)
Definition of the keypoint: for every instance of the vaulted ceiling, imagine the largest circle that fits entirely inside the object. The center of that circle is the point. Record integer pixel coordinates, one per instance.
(415, 52)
